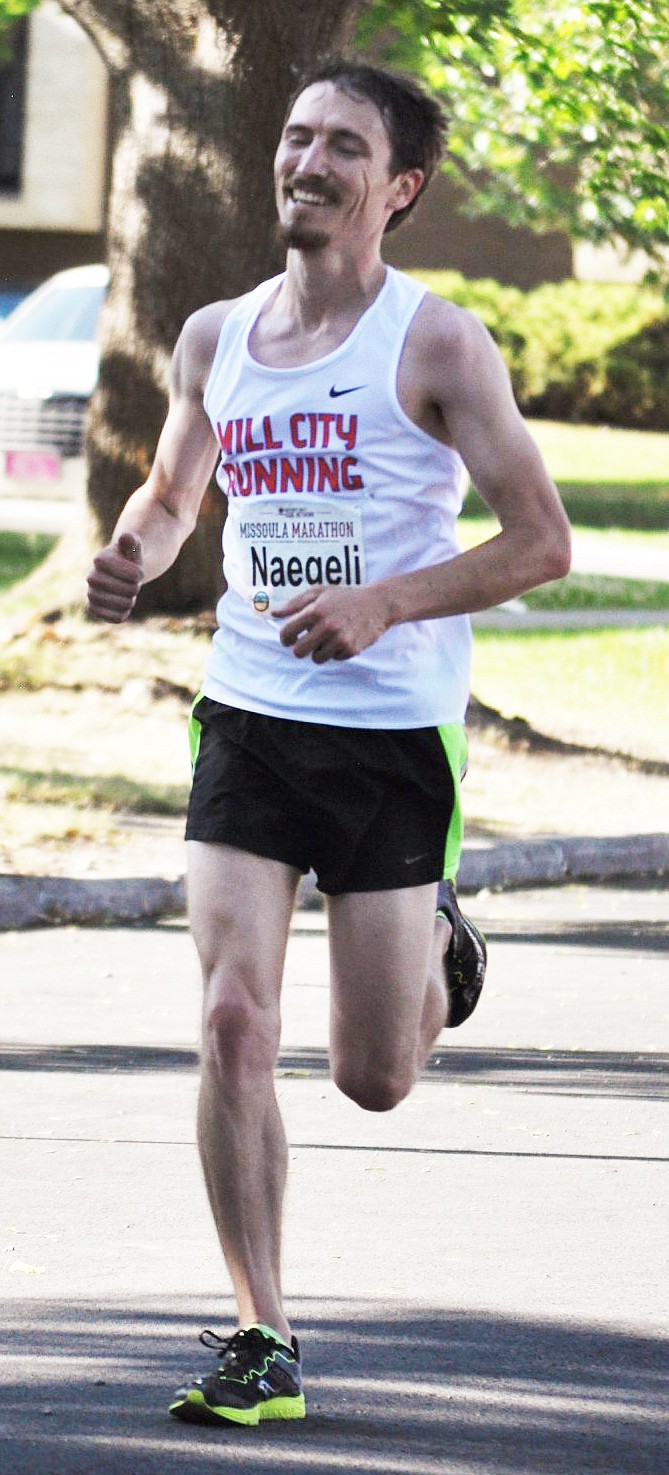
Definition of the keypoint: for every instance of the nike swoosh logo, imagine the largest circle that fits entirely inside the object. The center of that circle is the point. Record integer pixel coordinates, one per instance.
(411, 860)
(335, 393)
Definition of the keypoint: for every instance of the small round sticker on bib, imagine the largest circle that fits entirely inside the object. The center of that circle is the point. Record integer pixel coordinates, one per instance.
(261, 602)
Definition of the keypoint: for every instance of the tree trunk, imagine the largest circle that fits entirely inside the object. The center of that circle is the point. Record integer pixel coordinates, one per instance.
(200, 90)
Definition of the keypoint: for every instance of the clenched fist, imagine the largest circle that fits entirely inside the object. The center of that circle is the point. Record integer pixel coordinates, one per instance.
(116, 579)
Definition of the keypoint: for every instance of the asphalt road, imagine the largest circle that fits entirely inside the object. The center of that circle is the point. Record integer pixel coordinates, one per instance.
(478, 1279)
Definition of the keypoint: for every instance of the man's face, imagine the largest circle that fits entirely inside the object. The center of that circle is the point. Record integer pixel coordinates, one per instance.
(332, 171)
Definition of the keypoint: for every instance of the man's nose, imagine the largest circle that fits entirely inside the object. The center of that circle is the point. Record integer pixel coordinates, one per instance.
(314, 158)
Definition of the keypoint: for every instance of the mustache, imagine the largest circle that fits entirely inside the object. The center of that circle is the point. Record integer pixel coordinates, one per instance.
(311, 183)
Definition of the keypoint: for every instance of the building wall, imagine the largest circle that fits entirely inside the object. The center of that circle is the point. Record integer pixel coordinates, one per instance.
(56, 216)
(439, 235)
(609, 263)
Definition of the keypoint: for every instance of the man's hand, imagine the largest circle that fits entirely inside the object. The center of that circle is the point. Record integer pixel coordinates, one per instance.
(116, 579)
(333, 624)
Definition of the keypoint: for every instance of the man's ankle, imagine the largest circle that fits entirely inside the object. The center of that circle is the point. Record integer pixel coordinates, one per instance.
(277, 1328)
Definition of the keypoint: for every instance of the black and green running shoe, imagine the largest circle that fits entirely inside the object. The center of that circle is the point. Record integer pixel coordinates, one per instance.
(465, 959)
(258, 1377)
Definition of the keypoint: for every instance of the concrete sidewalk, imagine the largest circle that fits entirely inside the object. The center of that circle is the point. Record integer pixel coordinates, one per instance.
(478, 1279)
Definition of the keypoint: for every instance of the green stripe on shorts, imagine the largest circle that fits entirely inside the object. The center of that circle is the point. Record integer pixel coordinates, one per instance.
(454, 742)
(194, 732)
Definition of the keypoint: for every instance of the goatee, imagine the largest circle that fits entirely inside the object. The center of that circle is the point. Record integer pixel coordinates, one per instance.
(302, 238)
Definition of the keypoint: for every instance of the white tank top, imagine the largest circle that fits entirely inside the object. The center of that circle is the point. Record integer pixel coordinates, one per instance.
(328, 481)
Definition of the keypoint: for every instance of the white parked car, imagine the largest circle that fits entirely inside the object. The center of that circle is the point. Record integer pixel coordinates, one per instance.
(49, 364)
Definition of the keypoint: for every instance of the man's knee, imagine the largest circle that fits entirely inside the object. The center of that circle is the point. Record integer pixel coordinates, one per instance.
(372, 1085)
(240, 1034)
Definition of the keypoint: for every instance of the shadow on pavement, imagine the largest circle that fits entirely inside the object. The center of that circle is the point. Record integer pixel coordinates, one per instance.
(563, 1072)
(637, 937)
(101, 1059)
(559, 1072)
(390, 1390)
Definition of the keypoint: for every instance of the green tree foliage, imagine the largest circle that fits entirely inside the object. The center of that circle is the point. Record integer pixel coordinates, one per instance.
(10, 11)
(559, 114)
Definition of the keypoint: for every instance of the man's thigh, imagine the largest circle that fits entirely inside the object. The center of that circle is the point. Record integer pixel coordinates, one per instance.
(240, 907)
(380, 949)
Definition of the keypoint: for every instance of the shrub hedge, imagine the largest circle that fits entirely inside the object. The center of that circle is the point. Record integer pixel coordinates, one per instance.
(592, 352)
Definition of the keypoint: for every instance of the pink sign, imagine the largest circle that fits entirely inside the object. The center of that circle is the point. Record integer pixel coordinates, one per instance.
(33, 465)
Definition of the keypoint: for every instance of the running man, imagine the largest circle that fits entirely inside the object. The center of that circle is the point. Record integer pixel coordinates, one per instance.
(341, 401)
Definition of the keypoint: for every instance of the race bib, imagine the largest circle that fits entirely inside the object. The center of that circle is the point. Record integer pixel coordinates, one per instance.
(286, 549)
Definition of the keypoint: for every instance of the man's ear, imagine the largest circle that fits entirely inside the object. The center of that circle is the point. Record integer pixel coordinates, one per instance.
(404, 188)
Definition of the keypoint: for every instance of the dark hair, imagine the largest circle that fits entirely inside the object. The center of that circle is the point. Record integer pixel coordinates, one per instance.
(413, 120)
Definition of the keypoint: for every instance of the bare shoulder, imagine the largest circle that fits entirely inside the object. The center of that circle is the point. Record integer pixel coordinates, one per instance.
(448, 340)
(196, 346)
(449, 361)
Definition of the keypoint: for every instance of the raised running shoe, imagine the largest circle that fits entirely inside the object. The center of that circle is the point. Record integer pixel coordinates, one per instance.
(258, 1377)
(464, 961)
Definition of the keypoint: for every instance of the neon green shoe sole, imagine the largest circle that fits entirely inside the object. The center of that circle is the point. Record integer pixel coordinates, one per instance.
(194, 1409)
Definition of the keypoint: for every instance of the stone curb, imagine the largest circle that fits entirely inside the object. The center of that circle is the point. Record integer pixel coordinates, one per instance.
(637, 858)
(52, 901)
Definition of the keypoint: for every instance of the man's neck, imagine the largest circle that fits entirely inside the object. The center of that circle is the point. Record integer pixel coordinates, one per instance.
(316, 308)
(321, 285)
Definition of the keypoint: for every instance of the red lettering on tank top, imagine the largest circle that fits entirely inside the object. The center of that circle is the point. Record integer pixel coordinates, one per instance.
(347, 433)
(292, 474)
(249, 443)
(264, 473)
(225, 437)
(229, 469)
(244, 474)
(295, 432)
(270, 443)
(326, 422)
(351, 480)
(328, 473)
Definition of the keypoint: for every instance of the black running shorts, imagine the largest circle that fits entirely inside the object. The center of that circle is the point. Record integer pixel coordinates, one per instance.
(367, 810)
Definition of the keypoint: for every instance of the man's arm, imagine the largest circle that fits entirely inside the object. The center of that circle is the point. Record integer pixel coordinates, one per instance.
(161, 514)
(457, 387)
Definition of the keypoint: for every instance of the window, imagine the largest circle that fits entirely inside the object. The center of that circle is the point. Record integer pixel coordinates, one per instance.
(12, 98)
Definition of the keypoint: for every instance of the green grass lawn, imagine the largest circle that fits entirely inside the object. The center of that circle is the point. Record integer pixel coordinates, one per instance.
(591, 591)
(589, 455)
(598, 591)
(604, 688)
(607, 477)
(20, 553)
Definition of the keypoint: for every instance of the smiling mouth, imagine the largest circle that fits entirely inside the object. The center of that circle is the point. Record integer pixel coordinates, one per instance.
(303, 196)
